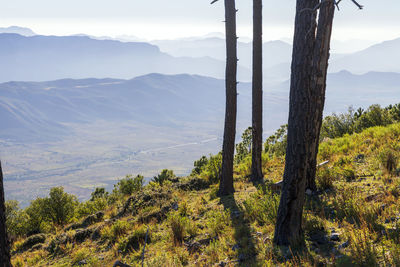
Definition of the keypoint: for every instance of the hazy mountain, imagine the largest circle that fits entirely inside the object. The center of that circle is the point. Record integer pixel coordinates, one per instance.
(18, 30)
(275, 52)
(382, 57)
(39, 58)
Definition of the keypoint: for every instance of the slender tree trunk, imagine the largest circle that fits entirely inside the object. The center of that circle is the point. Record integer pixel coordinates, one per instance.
(257, 130)
(288, 225)
(228, 148)
(319, 73)
(5, 259)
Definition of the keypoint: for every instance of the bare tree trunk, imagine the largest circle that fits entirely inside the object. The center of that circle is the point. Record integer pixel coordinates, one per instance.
(5, 259)
(288, 225)
(228, 148)
(319, 73)
(257, 130)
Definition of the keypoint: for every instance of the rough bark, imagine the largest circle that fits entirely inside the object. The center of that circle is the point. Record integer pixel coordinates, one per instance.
(319, 73)
(228, 147)
(288, 225)
(5, 259)
(257, 106)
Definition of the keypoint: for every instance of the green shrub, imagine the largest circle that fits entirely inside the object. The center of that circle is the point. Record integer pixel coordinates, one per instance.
(313, 224)
(199, 165)
(90, 207)
(16, 219)
(60, 206)
(262, 206)
(325, 178)
(276, 143)
(350, 206)
(163, 176)
(116, 230)
(212, 169)
(217, 221)
(129, 185)
(243, 149)
(388, 160)
(362, 248)
(177, 225)
(134, 240)
(99, 192)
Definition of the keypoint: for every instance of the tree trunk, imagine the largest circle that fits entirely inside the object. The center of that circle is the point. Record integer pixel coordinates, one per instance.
(319, 73)
(228, 148)
(257, 130)
(288, 225)
(5, 259)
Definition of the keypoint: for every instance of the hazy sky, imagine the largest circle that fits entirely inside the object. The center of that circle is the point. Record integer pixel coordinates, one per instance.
(160, 19)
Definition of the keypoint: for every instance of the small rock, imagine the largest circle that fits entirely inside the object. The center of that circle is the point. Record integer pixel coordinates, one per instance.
(360, 158)
(309, 192)
(319, 237)
(335, 237)
(82, 262)
(175, 206)
(387, 221)
(343, 245)
(33, 240)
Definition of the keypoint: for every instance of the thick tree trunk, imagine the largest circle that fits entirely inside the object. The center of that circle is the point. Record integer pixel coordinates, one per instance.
(288, 225)
(319, 73)
(228, 148)
(257, 130)
(5, 259)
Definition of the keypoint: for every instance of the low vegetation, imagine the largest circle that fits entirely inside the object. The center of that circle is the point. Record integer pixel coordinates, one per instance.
(352, 220)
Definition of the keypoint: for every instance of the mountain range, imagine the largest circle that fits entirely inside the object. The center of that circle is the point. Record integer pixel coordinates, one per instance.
(41, 58)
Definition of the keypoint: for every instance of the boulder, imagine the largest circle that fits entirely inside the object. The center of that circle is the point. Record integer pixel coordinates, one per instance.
(32, 241)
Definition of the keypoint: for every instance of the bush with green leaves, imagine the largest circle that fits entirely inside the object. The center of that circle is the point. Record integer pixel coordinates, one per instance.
(135, 239)
(325, 178)
(177, 224)
(163, 176)
(38, 219)
(388, 159)
(99, 192)
(129, 185)
(59, 206)
(243, 149)
(356, 121)
(16, 219)
(115, 231)
(212, 170)
(276, 143)
(90, 207)
(199, 165)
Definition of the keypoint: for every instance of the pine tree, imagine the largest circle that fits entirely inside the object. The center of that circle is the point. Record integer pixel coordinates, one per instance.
(257, 130)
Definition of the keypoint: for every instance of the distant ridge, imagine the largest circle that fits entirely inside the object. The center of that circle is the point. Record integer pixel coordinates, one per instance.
(42, 58)
(19, 30)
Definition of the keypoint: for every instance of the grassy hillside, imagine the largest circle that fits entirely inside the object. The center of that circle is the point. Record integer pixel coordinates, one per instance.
(353, 220)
